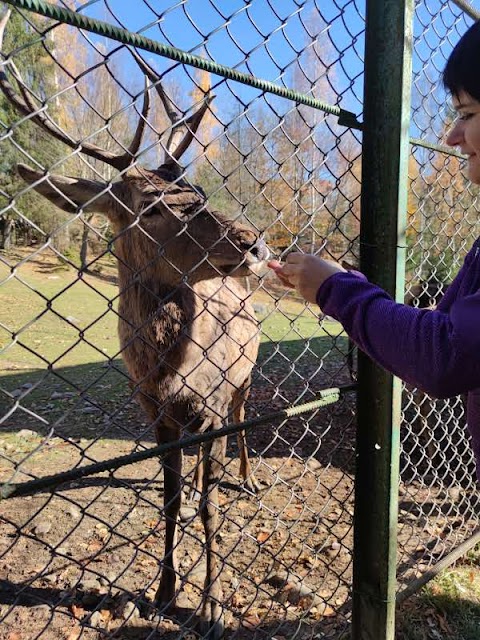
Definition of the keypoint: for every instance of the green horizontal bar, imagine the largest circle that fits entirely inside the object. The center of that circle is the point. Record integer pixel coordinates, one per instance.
(467, 8)
(437, 147)
(437, 568)
(324, 398)
(345, 118)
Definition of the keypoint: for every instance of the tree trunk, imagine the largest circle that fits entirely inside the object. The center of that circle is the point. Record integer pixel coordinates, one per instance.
(9, 226)
(84, 247)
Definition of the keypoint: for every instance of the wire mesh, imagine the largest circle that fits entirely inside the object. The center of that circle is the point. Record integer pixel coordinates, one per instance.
(439, 492)
(86, 558)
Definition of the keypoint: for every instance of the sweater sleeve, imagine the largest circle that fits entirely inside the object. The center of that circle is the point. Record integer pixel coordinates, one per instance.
(452, 291)
(436, 351)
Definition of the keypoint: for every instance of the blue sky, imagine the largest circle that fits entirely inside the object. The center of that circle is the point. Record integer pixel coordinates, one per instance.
(263, 38)
(269, 33)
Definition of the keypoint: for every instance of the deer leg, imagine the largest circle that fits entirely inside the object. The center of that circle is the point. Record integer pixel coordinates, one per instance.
(172, 472)
(211, 624)
(195, 490)
(238, 401)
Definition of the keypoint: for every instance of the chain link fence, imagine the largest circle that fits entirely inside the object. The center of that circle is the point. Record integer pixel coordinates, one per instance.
(438, 492)
(262, 542)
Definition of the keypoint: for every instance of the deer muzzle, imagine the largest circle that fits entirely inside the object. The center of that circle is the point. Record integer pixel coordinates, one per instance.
(260, 251)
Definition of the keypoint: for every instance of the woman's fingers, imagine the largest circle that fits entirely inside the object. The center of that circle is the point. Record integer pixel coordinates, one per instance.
(285, 281)
(295, 257)
(290, 271)
(283, 272)
(304, 272)
(274, 264)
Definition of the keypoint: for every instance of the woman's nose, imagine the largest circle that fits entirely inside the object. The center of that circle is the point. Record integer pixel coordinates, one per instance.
(455, 135)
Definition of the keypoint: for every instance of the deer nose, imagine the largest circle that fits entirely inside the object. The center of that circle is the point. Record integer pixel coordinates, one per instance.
(260, 250)
(251, 243)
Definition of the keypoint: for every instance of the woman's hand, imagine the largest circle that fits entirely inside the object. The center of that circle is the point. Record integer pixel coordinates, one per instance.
(304, 272)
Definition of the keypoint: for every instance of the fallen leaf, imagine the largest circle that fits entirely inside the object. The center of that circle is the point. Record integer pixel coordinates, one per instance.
(443, 624)
(148, 542)
(251, 621)
(94, 545)
(263, 536)
(304, 603)
(14, 635)
(152, 524)
(237, 600)
(74, 634)
(78, 612)
(323, 611)
(103, 533)
(106, 615)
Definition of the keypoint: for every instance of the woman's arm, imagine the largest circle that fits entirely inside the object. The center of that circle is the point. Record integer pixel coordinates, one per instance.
(436, 351)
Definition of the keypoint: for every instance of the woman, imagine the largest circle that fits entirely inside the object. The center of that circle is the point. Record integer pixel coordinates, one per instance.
(437, 351)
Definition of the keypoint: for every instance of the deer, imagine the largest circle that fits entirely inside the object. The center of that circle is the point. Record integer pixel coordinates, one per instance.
(188, 334)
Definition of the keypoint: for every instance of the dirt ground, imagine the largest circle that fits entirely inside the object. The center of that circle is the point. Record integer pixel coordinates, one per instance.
(84, 560)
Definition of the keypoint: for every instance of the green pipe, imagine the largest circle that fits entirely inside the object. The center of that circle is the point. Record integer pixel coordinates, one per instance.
(437, 568)
(324, 398)
(385, 153)
(345, 118)
(441, 148)
(467, 8)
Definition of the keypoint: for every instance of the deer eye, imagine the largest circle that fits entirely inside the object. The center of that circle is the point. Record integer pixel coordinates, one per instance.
(149, 209)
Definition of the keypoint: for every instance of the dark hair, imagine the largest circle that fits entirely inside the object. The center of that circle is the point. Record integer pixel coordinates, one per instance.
(462, 71)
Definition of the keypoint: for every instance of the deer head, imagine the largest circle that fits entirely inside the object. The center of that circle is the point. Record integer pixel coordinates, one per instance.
(157, 216)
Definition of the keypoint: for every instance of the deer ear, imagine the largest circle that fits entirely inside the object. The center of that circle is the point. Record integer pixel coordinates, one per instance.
(70, 194)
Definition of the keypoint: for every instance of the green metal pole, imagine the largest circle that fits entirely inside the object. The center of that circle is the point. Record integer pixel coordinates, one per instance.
(387, 88)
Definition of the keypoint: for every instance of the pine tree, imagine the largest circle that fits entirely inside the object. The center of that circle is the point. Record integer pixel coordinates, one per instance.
(21, 140)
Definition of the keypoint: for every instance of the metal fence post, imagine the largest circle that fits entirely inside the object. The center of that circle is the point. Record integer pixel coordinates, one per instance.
(388, 53)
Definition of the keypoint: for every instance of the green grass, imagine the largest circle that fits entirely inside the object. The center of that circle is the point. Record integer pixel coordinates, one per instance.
(448, 607)
(51, 319)
(56, 318)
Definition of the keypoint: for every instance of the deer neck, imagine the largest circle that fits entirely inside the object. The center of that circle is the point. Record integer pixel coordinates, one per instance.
(144, 294)
(151, 303)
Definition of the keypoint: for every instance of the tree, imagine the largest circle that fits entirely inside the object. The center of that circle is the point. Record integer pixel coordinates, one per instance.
(22, 140)
(442, 219)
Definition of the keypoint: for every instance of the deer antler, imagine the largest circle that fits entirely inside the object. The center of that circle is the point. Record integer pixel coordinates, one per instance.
(25, 105)
(183, 130)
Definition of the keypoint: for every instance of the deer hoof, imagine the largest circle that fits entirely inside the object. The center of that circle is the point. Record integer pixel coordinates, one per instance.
(165, 597)
(252, 485)
(210, 630)
(158, 610)
(193, 495)
(154, 615)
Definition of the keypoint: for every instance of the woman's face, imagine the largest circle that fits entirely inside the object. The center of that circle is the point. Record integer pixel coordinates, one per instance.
(466, 133)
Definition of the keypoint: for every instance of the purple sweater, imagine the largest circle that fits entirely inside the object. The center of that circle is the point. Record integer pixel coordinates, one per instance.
(437, 351)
